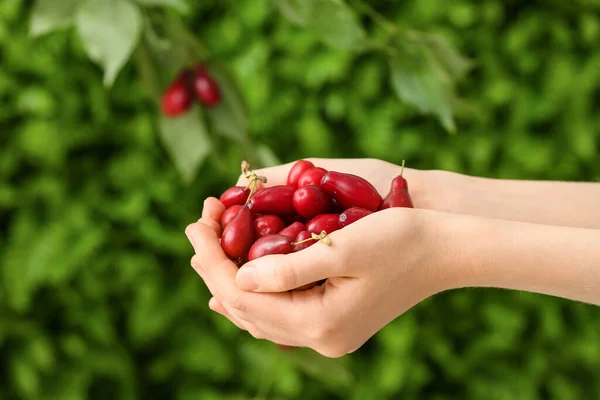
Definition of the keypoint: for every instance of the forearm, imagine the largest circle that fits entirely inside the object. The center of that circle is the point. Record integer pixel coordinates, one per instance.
(575, 204)
(552, 260)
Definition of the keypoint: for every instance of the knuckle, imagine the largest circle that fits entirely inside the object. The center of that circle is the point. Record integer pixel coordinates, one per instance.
(320, 334)
(237, 303)
(287, 277)
(325, 329)
(254, 331)
(196, 263)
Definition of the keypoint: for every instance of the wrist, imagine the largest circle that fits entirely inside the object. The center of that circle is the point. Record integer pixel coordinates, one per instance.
(545, 259)
(442, 190)
(443, 238)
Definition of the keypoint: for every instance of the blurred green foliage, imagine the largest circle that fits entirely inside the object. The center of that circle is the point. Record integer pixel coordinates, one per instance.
(97, 298)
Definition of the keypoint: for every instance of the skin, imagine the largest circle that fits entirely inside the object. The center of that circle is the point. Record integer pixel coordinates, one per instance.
(541, 237)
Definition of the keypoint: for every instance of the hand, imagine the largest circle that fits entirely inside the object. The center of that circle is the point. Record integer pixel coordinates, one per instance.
(379, 173)
(376, 269)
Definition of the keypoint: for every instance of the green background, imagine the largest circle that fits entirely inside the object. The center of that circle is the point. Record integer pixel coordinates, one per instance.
(97, 296)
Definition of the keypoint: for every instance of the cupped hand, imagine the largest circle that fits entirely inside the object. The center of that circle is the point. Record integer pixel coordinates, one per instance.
(379, 173)
(376, 268)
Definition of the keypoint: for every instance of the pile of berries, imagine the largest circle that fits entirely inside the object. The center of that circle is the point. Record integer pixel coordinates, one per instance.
(283, 219)
(191, 82)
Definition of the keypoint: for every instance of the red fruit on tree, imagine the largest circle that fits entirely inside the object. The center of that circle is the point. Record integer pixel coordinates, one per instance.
(205, 87)
(352, 214)
(311, 200)
(267, 225)
(324, 222)
(351, 191)
(235, 195)
(273, 200)
(238, 236)
(311, 176)
(293, 230)
(177, 98)
(229, 215)
(270, 244)
(297, 169)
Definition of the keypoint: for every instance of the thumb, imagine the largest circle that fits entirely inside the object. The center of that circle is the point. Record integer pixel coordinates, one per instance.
(280, 273)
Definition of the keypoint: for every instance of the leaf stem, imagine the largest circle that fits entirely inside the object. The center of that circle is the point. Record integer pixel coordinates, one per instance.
(376, 16)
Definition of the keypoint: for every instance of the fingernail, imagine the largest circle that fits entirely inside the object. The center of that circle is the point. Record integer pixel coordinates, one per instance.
(246, 278)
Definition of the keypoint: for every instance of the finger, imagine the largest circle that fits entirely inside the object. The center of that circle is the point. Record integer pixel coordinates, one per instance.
(213, 209)
(211, 223)
(219, 274)
(217, 307)
(280, 273)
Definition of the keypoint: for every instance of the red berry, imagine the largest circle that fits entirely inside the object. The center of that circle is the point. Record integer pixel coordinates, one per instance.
(177, 98)
(397, 199)
(293, 230)
(398, 184)
(324, 222)
(353, 214)
(398, 195)
(235, 195)
(297, 169)
(205, 87)
(229, 215)
(351, 190)
(273, 200)
(267, 225)
(311, 176)
(310, 201)
(270, 244)
(238, 236)
(301, 237)
(239, 261)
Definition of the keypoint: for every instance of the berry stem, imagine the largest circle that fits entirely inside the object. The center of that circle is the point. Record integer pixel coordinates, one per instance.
(253, 179)
(302, 241)
(322, 237)
(402, 168)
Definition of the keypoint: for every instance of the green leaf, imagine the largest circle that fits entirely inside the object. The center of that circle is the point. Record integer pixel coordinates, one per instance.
(337, 25)
(418, 79)
(110, 31)
(24, 376)
(51, 15)
(456, 64)
(179, 5)
(296, 11)
(186, 139)
(332, 21)
(230, 117)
